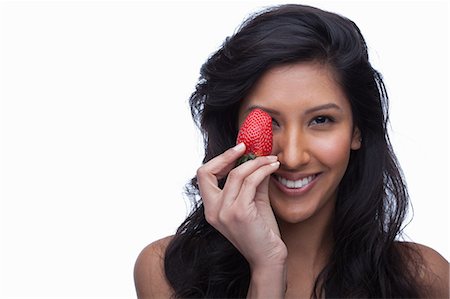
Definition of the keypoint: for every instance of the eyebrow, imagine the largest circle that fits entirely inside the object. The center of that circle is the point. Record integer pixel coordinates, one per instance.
(308, 111)
(268, 110)
(323, 107)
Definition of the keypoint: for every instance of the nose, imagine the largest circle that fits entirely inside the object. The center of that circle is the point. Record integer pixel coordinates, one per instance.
(292, 149)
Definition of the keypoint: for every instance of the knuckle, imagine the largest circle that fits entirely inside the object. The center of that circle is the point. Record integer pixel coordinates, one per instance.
(223, 217)
(249, 181)
(240, 215)
(211, 219)
(210, 211)
(234, 174)
(201, 171)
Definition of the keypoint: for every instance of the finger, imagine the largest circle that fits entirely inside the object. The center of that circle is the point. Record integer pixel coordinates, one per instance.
(238, 175)
(252, 183)
(218, 167)
(222, 164)
(262, 200)
(262, 191)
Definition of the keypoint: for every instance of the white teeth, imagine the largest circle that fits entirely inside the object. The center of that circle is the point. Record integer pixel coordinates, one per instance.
(290, 184)
(295, 184)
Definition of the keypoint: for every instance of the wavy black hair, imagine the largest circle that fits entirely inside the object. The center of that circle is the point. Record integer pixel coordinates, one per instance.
(372, 197)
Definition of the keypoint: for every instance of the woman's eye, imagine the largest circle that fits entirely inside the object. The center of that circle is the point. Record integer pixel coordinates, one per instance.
(320, 120)
(275, 123)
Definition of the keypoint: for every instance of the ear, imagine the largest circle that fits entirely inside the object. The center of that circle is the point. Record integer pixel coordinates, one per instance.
(356, 139)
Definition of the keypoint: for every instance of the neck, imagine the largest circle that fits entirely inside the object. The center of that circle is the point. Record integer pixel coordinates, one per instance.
(310, 242)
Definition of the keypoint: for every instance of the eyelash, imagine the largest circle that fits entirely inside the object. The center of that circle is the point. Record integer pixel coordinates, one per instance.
(274, 122)
(324, 118)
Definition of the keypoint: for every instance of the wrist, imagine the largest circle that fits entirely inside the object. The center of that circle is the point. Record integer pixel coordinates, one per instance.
(268, 281)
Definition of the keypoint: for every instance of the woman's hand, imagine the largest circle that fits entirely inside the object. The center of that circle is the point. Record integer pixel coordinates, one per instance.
(241, 211)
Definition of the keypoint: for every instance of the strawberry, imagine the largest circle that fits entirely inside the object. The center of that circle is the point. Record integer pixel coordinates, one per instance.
(256, 134)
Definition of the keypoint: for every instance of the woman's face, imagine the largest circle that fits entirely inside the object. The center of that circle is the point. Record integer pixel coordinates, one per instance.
(313, 135)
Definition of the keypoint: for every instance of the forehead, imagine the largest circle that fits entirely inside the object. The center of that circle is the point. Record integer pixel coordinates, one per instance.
(297, 86)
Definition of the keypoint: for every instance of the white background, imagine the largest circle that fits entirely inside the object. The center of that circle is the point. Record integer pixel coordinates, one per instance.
(97, 141)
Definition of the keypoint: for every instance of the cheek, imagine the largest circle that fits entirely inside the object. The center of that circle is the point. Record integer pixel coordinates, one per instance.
(332, 150)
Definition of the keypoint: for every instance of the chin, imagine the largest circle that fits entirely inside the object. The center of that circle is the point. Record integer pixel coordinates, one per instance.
(296, 211)
(292, 214)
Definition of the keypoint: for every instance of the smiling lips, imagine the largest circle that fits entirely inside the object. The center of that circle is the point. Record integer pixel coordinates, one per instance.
(297, 184)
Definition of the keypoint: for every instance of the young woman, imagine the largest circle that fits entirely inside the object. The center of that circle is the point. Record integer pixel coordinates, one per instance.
(322, 215)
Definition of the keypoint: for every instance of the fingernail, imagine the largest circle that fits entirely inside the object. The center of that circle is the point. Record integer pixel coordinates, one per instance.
(239, 147)
(275, 164)
(272, 158)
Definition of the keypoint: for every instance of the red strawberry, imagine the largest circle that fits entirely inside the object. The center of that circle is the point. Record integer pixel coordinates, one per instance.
(256, 133)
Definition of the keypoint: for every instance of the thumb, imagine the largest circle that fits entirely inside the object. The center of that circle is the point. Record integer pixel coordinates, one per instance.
(262, 191)
(262, 201)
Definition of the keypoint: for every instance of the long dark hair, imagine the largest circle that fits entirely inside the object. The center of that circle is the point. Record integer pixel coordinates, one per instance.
(372, 197)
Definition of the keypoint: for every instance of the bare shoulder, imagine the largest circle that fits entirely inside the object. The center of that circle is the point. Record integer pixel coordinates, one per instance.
(149, 277)
(434, 271)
